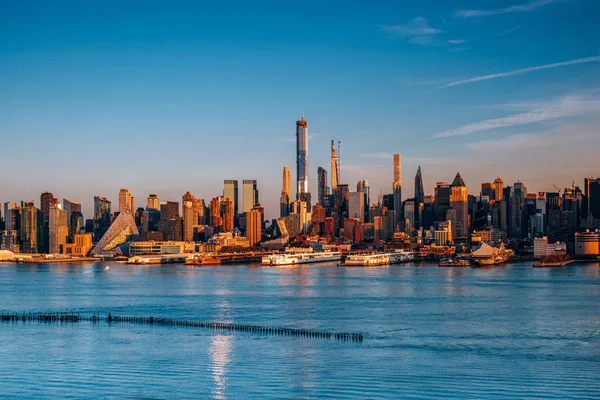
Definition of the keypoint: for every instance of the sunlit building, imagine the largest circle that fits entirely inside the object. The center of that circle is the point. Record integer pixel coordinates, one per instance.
(459, 198)
(253, 226)
(81, 246)
(125, 200)
(153, 202)
(230, 191)
(249, 194)
(397, 187)
(120, 232)
(301, 157)
(30, 226)
(58, 227)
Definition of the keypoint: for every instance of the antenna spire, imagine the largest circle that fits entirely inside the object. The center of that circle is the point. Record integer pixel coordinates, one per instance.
(302, 114)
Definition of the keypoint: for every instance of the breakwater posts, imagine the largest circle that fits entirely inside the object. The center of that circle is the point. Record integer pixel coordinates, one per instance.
(66, 317)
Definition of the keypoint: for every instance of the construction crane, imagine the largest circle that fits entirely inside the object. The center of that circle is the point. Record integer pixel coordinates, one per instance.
(556, 187)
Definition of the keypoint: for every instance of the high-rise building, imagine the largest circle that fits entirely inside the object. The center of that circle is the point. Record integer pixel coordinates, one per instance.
(122, 230)
(459, 202)
(253, 226)
(285, 198)
(45, 199)
(228, 215)
(102, 216)
(442, 200)
(197, 206)
(249, 195)
(419, 192)
(29, 227)
(301, 157)
(58, 227)
(10, 220)
(592, 195)
(397, 188)
(230, 191)
(153, 202)
(286, 182)
(322, 188)
(518, 225)
(125, 200)
(188, 220)
(335, 178)
(487, 189)
(170, 224)
(356, 206)
(216, 221)
(498, 188)
(363, 187)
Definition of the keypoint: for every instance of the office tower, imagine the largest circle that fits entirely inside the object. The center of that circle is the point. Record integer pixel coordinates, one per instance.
(498, 188)
(125, 200)
(102, 216)
(215, 214)
(122, 230)
(335, 178)
(397, 188)
(322, 188)
(487, 189)
(592, 196)
(356, 206)
(197, 207)
(419, 192)
(188, 220)
(363, 186)
(153, 202)
(459, 202)
(254, 226)
(286, 182)
(284, 199)
(517, 227)
(170, 224)
(230, 191)
(318, 219)
(29, 227)
(45, 200)
(301, 156)
(249, 195)
(58, 227)
(69, 206)
(228, 215)
(10, 219)
(442, 200)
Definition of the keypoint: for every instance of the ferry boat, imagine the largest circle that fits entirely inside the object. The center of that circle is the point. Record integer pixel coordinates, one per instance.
(373, 260)
(300, 258)
(455, 262)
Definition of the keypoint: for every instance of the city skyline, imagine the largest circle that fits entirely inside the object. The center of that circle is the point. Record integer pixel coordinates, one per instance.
(452, 87)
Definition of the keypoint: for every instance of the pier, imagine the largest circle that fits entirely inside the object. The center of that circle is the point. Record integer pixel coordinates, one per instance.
(65, 317)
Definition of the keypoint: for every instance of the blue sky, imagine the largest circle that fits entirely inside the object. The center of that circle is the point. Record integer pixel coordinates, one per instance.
(165, 97)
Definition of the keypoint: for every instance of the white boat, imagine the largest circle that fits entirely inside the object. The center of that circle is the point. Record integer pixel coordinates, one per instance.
(372, 260)
(300, 258)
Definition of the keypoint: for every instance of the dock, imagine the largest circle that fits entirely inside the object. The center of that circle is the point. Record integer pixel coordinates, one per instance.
(555, 264)
(68, 317)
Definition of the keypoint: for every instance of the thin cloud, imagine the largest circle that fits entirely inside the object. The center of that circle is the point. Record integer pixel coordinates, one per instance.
(521, 71)
(457, 41)
(417, 31)
(311, 136)
(516, 8)
(508, 31)
(569, 106)
(379, 155)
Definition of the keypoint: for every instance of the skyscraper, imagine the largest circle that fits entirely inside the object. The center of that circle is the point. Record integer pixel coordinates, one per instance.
(10, 222)
(397, 188)
(45, 200)
(301, 157)
(188, 220)
(356, 206)
(125, 200)
(498, 188)
(286, 188)
(442, 200)
(153, 202)
(419, 192)
(29, 227)
(322, 189)
(230, 191)
(487, 189)
(102, 213)
(249, 195)
(253, 226)
(228, 215)
(335, 179)
(592, 195)
(459, 202)
(58, 227)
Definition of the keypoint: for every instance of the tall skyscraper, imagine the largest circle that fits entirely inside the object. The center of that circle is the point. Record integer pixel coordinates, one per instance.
(356, 206)
(249, 195)
(188, 220)
(230, 191)
(102, 216)
(10, 221)
(153, 202)
(58, 227)
(322, 189)
(253, 226)
(459, 203)
(29, 227)
(397, 188)
(45, 199)
(498, 188)
(301, 157)
(286, 190)
(363, 187)
(487, 189)
(335, 179)
(419, 192)
(125, 200)
(592, 195)
(228, 215)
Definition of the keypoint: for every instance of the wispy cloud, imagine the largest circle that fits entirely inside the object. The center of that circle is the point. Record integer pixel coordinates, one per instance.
(417, 31)
(516, 8)
(457, 41)
(520, 71)
(568, 106)
(379, 155)
(506, 32)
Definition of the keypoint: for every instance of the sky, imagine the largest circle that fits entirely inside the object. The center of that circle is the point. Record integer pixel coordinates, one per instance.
(168, 97)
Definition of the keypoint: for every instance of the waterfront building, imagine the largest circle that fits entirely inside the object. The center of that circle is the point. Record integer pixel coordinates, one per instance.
(253, 226)
(11, 217)
(156, 248)
(58, 227)
(153, 202)
(397, 188)
(125, 200)
(249, 195)
(587, 244)
(81, 246)
(322, 185)
(121, 231)
(230, 191)
(459, 197)
(301, 157)
(443, 235)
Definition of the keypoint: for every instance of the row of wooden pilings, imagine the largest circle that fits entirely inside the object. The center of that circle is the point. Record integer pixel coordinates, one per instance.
(223, 326)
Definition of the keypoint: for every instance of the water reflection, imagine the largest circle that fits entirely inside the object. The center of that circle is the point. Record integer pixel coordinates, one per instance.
(220, 350)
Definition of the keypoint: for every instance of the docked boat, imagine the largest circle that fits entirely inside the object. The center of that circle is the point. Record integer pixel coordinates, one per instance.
(301, 258)
(377, 259)
(455, 262)
(486, 255)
